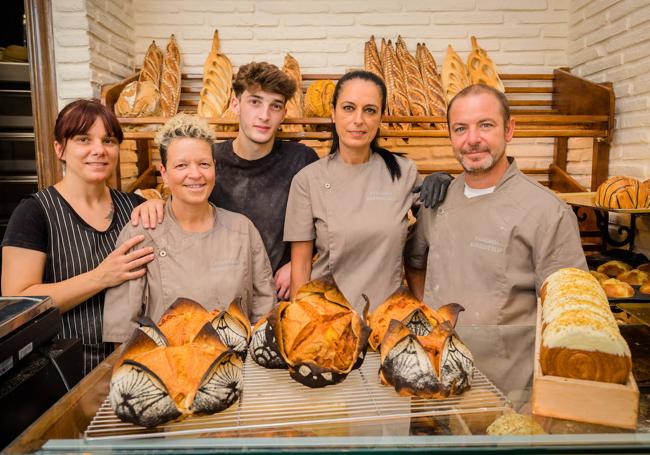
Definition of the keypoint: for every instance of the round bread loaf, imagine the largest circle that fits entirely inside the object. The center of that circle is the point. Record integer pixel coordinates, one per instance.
(614, 268)
(617, 289)
(645, 288)
(599, 276)
(644, 195)
(635, 277)
(618, 193)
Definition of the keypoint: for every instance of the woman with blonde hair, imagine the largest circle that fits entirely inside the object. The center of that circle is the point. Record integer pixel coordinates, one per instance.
(202, 252)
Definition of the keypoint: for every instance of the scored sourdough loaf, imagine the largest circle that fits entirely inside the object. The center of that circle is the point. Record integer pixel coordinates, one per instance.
(217, 82)
(580, 338)
(152, 66)
(618, 193)
(397, 96)
(170, 80)
(414, 82)
(138, 99)
(432, 82)
(454, 74)
(371, 60)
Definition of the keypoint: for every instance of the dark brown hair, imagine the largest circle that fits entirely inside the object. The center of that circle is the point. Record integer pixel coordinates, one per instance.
(478, 89)
(388, 157)
(263, 76)
(78, 117)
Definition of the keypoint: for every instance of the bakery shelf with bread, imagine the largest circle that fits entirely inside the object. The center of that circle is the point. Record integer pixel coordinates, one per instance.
(572, 107)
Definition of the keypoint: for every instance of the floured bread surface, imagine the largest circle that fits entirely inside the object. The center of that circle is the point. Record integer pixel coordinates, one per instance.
(481, 69)
(454, 74)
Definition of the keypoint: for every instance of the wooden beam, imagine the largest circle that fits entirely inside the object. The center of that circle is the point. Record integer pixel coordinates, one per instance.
(43, 86)
(599, 163)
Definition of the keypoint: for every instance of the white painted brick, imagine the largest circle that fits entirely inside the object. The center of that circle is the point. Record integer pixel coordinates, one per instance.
(632, 37)
(631, 136)
(493, 31)
(629, 70)
(537, 17)
(587, 26)
(581, 142)
(338, 20)
(365, 7)
(293, 33)
(440, 32)
(635, 119)
(641, 85)
(560, 5)
(543, 44)
(513, 5)
(587, 54)
(69, 5)
(210, 6)
(71, 38)
(556, 59)
(607, 32)
(596, 6)
(602, 64)
(576, 5)
(393, 19)
(555, 31)
(70, 21)
(292, 7)
(640, 16)
(326, 46)
(455, 5)
(483, 17)
(630, 104)
(624, 8)
(579, 155)
(518, 58)
(177, 20)
(245, 20)
(73, 54)
(631, 152)
(637, 52)
(157, 6)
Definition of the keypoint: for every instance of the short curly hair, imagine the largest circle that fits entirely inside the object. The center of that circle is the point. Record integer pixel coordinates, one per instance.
(263, 76)
(180, 126)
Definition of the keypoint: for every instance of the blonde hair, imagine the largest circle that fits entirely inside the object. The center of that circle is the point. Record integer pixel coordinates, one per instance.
(181, 126)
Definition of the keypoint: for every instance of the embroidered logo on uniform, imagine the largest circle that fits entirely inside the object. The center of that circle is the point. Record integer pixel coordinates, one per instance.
(380, 196)
(491, 245)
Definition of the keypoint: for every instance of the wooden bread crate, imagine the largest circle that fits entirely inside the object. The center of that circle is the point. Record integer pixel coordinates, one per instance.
(596, 402)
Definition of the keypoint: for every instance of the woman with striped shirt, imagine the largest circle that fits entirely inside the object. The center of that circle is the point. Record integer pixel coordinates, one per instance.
(61, 241)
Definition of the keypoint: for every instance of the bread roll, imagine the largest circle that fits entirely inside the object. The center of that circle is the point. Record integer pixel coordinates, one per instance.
(481, 69)
(617, 289)
(618, 193)
(454, 74)
(645, 288)
(371, 60)
(170, 81)
(152, 66)
(291, 67)
(318, 99)
(613, 268)
(138, 99)
(634, 277)
(398, 102)
(413, 80)
(599, 276)
(645, 267)
(217, 82)
(432, 81)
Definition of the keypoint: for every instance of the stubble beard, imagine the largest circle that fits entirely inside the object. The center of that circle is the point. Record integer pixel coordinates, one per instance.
(482, 168)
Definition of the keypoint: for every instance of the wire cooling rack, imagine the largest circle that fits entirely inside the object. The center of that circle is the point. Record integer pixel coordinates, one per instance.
(273, 402)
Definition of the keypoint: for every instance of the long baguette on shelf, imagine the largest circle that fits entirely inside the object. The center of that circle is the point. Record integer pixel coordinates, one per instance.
(398, 101)
(371, 60)
(432, 81)
(481, 69)
(170, 82)
(413, 80)
(291, 67)
(217, 82)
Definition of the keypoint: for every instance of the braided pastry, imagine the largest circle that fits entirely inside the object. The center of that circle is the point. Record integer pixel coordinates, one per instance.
(170, 81)
(481, 68)
(152, 66)
(217, 82)
(291, 67)
(414, 83)
(454, 74)
(371, 60)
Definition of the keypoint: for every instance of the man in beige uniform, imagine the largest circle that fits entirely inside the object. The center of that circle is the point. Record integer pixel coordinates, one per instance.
(492, 242)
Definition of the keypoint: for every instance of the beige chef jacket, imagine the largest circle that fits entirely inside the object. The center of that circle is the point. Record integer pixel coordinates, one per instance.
(212, 268)
(357, 216)
(491, 254)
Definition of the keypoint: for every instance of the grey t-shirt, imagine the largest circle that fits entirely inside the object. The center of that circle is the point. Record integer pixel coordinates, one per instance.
(259, 189)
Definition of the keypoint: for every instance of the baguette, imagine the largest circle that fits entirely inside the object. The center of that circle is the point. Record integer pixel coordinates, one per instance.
(432, 82)
(454, 74)
(291, 67)
(371, 60)
(217, 82)
(152, 66)
(481, 69)
(413, 80)
(398, 102)
(170, 81)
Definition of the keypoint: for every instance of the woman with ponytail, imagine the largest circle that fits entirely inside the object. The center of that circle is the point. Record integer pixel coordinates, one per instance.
(352, 205)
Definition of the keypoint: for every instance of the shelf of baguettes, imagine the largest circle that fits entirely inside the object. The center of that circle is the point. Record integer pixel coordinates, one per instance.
(588, 199)
(602, 403)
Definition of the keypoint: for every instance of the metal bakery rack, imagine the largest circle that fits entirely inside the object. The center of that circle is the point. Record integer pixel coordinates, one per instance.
(273, 402)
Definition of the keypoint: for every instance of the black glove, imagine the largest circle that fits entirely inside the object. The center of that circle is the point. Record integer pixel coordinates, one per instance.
(433, 189)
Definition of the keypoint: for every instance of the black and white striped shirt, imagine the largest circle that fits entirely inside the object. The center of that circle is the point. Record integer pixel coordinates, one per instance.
(46, 222)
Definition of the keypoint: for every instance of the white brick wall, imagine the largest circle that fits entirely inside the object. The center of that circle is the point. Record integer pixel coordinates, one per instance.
(609, 40)
(93, 45)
